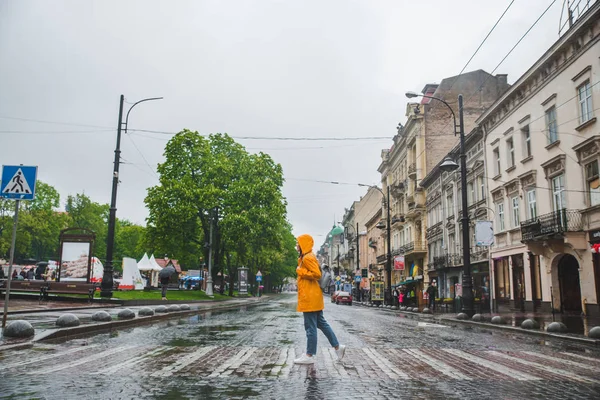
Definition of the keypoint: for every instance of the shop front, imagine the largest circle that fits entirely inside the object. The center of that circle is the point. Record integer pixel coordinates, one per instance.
(502, 284)
(594, 237)
(481, 285)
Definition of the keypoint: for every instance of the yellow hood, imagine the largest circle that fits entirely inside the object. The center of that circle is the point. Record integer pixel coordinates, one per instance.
(306, 243)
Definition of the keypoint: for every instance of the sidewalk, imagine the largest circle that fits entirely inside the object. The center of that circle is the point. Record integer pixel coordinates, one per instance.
(43, 317)
(577, 327)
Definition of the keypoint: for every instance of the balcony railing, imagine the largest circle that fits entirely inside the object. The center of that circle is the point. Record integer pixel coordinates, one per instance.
(440, 262)
(414, 247)
(381, 258)
(551, 225)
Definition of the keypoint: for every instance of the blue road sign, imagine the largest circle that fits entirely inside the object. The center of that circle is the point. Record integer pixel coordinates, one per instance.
(258, 278)
(18, 182)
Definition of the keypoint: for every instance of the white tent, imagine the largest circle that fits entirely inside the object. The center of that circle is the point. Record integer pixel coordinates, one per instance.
(144, 265)
(131, 275)
(154, 263)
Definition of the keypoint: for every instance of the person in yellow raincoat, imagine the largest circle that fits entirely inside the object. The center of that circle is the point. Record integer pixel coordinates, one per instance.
(310, 302)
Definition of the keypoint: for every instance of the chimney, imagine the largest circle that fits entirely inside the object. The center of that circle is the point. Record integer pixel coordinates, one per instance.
(502, 79)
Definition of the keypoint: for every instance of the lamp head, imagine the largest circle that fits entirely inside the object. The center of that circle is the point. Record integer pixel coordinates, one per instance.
(448, 165)
(411, 95)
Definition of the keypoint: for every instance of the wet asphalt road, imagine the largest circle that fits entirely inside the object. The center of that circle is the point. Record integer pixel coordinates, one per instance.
(249, 352)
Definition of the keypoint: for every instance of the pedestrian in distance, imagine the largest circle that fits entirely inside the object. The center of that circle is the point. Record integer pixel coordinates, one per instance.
(401, 298)
(432, 293)
(164, 283)
(310, 302)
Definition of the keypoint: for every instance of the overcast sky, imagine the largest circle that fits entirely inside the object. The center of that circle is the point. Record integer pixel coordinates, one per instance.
(273, 68)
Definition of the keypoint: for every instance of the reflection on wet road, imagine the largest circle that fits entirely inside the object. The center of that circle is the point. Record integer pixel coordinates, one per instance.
(249, 353)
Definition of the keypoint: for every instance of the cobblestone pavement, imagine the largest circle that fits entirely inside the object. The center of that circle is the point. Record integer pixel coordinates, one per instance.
(248, 353)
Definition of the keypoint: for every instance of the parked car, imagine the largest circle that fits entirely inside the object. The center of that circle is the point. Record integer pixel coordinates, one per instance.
(343, 298)
(334, 295)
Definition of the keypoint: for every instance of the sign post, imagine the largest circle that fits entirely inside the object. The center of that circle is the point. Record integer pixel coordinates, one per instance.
(259, 281)
(18, 183)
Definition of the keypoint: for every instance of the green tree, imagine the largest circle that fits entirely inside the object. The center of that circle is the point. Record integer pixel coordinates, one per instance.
(84, 213)
(215, 178)
(128, 241)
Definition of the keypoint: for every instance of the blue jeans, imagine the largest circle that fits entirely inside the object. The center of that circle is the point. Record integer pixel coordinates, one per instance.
(312, 321)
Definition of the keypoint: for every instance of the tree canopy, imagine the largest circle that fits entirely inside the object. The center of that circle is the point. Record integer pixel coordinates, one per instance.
(215, 180)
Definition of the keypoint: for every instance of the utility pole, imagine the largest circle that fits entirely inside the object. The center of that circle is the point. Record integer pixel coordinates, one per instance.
(388, 265)
(107, 276)
(209, 281)
(358, 264)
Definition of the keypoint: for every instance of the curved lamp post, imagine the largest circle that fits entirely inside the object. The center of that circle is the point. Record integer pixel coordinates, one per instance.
(107, 277)
(449, 165)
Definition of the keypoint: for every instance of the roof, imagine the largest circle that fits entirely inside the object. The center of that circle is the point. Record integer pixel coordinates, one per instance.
(163, 262)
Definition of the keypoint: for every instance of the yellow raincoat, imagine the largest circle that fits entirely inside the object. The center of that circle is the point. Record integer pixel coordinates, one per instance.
(310, 296)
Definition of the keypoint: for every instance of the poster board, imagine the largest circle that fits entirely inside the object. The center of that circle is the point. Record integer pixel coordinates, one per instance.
(377, 291)
(76, 247)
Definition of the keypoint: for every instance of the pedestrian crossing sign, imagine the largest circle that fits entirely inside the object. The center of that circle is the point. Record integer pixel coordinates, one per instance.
(18, 182)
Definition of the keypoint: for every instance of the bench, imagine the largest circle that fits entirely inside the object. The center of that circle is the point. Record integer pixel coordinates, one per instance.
(46, 287)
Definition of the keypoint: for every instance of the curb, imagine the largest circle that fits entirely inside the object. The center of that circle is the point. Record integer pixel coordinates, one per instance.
(506, 329)
(57, 309)
(103, 327)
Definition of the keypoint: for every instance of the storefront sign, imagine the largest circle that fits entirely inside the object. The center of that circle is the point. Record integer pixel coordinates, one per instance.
(399, 263)
(595, 236)
(484, 233)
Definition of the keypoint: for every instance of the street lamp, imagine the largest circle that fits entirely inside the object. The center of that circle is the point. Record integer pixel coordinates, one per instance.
(388, 263)
(449, 165)
(107, 277)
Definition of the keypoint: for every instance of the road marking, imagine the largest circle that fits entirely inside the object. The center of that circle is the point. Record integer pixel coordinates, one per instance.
(430, 325)
(45, 357)
(183, 362)
(546, 368)
(289, 363)
(85, 360)
(128, 363)
(237, 363)
(244, 352)
(563, 361)
(437, 365)
(521, 376)
(383, 363)
(582, 357)
(280, 362)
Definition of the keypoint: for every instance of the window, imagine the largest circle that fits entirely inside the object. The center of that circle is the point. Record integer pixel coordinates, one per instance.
(470, 193)
(551, 125)
(531, 204)
(481, 185)
(510, 149)
(515, 212)
(526, 141)
(558, 192)
(500, 216)
(451, 243)
(450, 204)
(584, 93)
(497, 161)
(593, 183)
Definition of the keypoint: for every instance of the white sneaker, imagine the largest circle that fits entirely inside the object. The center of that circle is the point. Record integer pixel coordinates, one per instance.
(305, 360)
(340, 351)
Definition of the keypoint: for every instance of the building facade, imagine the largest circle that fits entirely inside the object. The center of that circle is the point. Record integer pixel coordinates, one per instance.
(418, 147)
(541, 150)
(444, 226)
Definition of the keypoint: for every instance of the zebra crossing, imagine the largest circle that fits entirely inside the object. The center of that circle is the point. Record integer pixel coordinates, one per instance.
(396, 364)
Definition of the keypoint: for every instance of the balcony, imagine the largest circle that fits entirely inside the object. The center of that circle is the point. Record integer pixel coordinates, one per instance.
(440, 262)
(398, 251)
(552, 225)
(454, 260)
(412, 171)
(397, 190)
(479, 256)
(381, 259)
(398, 219)
(414, 247)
